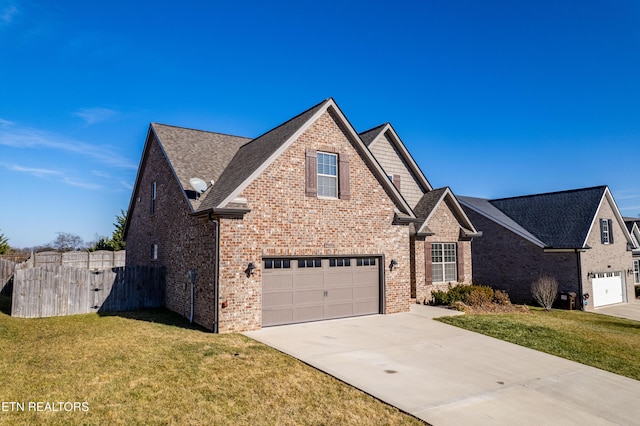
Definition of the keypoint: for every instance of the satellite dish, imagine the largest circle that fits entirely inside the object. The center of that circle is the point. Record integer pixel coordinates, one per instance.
(198, 184)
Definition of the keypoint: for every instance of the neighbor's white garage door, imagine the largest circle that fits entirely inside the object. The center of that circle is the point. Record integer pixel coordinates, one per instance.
(312, 289)
(607, 289)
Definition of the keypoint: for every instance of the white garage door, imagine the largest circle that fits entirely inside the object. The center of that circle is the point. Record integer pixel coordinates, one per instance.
(301, 290)
(607, 289)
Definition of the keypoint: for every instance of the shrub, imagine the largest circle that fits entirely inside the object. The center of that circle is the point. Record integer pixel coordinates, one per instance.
(440, 297)
(545, 291)
(472, 295)
(478, 296)
(501, 297)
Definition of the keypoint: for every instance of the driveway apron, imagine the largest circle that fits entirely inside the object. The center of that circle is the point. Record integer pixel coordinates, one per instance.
(449, 376)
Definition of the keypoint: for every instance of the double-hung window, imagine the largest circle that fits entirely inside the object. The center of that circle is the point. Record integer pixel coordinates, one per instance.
(605, 232)
(444, 262)
(327, 175)
(636, 271)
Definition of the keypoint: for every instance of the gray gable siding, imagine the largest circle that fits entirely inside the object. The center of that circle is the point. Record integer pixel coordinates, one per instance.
(393, 164)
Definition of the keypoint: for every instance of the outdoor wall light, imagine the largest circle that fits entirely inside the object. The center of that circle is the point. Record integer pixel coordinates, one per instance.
(250, 268)
(393, 264)
(630, 271)
(590, 275)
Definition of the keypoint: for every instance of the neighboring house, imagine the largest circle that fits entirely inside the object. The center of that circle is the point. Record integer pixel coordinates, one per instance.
(299, 224)
(577, 236)
(633, 226)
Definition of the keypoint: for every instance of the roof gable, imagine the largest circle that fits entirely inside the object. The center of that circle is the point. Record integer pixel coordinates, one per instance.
(429, 203)
(255, 156)
(373, 136)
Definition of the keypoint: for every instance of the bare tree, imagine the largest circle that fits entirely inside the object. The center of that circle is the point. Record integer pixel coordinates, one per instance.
(545, 291)
(67, 242)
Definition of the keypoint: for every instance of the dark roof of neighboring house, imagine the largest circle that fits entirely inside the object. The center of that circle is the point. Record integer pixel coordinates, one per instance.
(189, 153)
(560, 219)
(252, 155)
(629, 221)
(488, 210)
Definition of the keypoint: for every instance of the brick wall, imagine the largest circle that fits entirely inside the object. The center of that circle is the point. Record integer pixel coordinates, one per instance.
(285, 222)
(607, 257)
(506, 261)
(446, 227)
(184, 242)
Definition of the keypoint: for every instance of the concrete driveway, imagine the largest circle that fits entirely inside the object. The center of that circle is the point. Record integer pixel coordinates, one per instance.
(449, 376)
(623, 310)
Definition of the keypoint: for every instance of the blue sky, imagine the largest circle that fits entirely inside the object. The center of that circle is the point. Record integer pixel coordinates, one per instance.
(492, 98)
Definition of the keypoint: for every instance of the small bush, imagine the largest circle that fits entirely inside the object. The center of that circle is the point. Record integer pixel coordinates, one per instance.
(478, 296)
(501, 297)
(638, 292)
(440, 297)
(471, 295)
(545, 291)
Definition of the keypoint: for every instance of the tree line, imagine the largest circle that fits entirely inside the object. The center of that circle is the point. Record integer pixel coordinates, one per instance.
(66, 241)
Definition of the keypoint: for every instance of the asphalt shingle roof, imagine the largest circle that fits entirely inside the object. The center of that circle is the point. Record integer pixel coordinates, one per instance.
(559, 219)
(196, 153)
(368, 136)
(489, 210)
(251, 156)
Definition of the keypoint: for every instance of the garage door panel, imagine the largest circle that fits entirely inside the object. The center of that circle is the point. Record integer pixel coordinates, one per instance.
(316, 291)
(277, 300)
(278, 316)
(339, 310)
(339, 294)
(339, 279)
(308, 313)
(367, 292)
(607, 289)
(278, 282)
(365, 307)
(306, 297)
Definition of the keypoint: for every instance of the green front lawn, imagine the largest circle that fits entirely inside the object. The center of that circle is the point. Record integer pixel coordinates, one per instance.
(604, 342)
(152, 367)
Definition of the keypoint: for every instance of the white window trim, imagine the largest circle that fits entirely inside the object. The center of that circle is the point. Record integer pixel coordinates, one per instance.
(334, 177)
(443, 264)
(154, 252)
(605, 232)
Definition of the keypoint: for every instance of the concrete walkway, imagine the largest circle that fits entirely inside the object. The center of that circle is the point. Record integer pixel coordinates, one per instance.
(449, 376)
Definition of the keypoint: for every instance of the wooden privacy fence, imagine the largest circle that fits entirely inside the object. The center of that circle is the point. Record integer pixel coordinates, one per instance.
(100, 259)
(6, 274)
(55, 290)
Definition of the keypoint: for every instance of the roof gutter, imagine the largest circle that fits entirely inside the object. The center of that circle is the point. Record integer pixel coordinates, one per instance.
(403, 220)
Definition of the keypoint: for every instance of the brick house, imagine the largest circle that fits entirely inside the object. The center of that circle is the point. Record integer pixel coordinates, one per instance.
(577, 236)
(299, 224)
(440, 237)
(633, 226)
